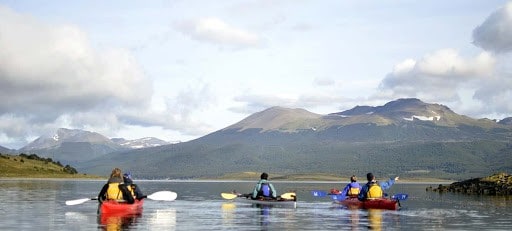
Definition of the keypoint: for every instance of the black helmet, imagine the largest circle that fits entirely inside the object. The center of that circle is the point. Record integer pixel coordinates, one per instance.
(264, 176)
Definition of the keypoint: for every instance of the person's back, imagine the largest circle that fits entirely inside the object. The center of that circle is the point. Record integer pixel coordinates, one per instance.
(264, 189)
(352, 189)
(133, 188)
(115, 189)
(374, 190)
(370, 190)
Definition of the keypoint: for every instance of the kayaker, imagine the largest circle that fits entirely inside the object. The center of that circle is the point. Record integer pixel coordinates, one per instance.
(374, 189)
(115, 189)
(133, 188)
(264, 189)
(352, 189)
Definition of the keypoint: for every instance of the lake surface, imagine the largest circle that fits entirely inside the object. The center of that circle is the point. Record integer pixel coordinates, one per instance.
(39, 205)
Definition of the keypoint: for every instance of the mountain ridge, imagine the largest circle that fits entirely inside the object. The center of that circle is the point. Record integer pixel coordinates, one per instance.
(72, 146)
(405, 137)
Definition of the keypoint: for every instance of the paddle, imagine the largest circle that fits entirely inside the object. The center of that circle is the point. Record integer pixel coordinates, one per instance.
(157, 196)
(318, 193)
(338, 197)
(288, 196)
(231, 196)
(79, 201)
(400, 196)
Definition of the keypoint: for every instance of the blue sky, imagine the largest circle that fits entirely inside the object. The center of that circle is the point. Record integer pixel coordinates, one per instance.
(178, 70)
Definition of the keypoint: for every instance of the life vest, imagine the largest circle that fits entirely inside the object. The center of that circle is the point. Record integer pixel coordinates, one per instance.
(353, 191)
(113, 192)
(374, 191)
(265, 190)
(131, 189)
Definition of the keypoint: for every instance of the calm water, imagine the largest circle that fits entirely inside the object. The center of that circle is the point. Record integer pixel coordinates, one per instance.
(39, 205)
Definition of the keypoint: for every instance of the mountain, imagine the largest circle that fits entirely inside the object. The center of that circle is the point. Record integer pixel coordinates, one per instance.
(71, 146)
(278, 119)
(4, 150)
(405, 137)
(506, 121)
(140, 143)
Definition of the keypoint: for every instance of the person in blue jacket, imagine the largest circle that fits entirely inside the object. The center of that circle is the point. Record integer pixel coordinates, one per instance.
(374, 189)
(352, 189)
(264, 189)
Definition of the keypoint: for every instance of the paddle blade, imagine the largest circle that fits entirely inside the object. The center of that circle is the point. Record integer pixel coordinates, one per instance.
(400, 196)
(163, 196)
(228, 196)
(77, 201)
(317, 193)
(338, 197)
(288, 196)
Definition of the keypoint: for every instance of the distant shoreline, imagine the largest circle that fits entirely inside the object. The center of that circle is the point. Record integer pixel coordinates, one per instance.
(431, 182)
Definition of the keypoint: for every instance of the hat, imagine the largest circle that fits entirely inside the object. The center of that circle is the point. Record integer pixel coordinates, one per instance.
(127, 175)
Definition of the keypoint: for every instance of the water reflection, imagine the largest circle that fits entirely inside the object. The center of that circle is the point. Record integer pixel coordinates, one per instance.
(163, 218)
(263, 212)
(354, 219)
(228, 213)
(375, 219)
(115, 221)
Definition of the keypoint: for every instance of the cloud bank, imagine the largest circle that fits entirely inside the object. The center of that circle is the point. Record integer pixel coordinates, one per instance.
(51, 76)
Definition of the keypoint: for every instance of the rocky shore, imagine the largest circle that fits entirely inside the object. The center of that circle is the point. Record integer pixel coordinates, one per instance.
(497, 184)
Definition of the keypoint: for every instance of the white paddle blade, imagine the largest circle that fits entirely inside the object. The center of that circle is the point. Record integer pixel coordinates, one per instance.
(77, 201)
(163, 196)
(228, 196)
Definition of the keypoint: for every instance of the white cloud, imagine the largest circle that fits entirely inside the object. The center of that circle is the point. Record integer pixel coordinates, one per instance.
(52, 69)
(216, 31)
(495, 33)
(437, 75)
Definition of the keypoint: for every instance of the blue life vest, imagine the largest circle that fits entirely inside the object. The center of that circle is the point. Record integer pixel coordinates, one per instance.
(265, 190)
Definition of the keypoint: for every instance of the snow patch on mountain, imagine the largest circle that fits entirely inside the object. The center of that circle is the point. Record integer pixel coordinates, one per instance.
(145, 142)
(424, 118)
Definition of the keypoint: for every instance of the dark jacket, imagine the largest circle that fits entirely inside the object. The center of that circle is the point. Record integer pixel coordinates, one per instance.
(138, 193)
(127, 196)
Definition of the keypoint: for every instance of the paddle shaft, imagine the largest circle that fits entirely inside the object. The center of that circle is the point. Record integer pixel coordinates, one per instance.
(158, 196)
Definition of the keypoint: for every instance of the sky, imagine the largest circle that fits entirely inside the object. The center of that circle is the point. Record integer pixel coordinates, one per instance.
(179, 70)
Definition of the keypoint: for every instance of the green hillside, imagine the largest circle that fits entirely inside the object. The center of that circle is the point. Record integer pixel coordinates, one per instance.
(34, 166)
(406, 137)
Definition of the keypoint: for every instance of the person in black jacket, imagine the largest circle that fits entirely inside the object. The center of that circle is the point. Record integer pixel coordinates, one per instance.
(134, 189)
(115, 189)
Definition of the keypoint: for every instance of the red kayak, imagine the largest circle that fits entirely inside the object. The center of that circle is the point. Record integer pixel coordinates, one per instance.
(383, 203)
(112, 206)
